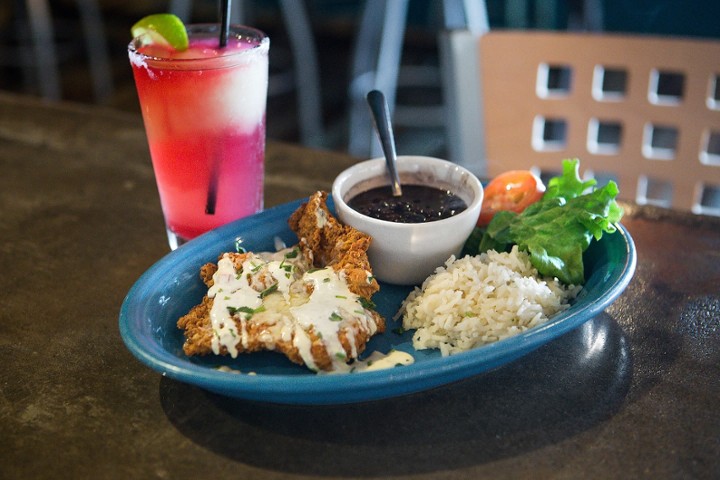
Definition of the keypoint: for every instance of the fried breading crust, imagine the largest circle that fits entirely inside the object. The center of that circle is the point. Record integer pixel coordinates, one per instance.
(323, 241)
(332, 244)
(198, 338)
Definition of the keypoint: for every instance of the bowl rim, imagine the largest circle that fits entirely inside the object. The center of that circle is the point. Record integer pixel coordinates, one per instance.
(370, 166)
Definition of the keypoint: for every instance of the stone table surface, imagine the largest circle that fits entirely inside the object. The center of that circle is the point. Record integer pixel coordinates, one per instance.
(632, 393)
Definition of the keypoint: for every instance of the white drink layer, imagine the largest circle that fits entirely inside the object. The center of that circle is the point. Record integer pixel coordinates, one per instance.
(239, 97)
(212, 93)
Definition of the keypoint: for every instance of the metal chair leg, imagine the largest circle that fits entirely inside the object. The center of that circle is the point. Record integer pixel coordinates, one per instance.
(99, 59)
(45, 56)
(306, 71)
(376, 66)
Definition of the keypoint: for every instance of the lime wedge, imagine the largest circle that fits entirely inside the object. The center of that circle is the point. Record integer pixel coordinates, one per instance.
(163, 29)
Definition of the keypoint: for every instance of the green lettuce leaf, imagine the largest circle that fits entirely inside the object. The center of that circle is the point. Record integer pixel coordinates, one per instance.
(569, 184)
(556, 230)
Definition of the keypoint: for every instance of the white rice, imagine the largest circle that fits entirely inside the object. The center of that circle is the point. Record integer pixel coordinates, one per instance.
(482, 299)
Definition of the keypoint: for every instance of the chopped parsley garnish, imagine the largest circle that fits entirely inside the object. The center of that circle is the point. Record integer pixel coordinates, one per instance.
(292, 253)
(335, 317)
(367, 304)
(246, 310)
(234, 310)
(286, 267)
(269, 290)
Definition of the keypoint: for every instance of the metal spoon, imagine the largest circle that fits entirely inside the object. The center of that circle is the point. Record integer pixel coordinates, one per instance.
(381, 115)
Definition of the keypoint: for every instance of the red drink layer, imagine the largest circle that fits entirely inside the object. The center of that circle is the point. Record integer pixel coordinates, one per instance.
(204, 114)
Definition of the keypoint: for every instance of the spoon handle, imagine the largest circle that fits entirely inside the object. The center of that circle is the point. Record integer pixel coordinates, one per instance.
(381, 115)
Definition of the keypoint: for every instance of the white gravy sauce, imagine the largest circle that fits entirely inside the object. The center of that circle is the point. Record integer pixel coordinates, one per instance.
(376, 361)
(381, 361)
(330, 308)
(230, 290)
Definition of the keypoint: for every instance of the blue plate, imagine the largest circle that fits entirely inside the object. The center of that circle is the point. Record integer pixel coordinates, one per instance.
(172, 286)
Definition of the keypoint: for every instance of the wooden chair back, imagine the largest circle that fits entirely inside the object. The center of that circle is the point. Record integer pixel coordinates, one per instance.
(643, 111)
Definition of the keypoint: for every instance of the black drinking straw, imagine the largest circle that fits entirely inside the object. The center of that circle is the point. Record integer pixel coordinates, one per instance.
(212, 188)
(225, 22)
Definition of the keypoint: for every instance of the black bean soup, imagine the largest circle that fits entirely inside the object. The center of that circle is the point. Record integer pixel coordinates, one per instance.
(417, 204)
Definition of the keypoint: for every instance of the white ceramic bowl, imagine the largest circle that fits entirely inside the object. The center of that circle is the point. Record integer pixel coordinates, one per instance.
(407, 253)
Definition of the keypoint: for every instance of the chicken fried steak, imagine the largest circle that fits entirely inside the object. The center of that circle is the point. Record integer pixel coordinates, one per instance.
(310, 302)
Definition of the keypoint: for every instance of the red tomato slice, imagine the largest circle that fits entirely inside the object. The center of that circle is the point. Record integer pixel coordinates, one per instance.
(513, 190)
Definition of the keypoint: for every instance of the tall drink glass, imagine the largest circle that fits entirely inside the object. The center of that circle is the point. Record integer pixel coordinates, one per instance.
(204, 115)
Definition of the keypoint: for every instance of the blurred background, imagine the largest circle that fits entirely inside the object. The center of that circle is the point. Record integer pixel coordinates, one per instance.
(89, 39)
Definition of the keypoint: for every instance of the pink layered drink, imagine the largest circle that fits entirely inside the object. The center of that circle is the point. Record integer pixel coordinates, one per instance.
(204, 114)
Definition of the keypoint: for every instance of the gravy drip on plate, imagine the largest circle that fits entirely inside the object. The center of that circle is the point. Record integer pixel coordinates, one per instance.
(417, 204)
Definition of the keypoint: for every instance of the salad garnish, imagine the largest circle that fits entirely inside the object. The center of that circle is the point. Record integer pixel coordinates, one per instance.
(556, 229)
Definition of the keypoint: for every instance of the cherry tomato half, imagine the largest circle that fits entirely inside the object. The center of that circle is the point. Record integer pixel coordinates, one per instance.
(513, 190)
